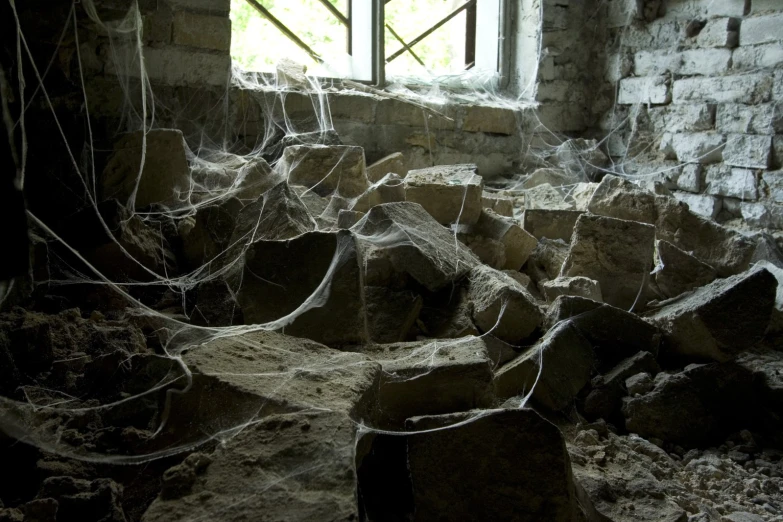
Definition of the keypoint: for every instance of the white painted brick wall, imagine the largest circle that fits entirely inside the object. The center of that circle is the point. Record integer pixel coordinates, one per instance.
(758, 56)
(649, 89)
(746, 150)
(762, 29)
(748, 88)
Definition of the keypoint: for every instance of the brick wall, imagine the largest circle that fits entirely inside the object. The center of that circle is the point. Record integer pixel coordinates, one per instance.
(699, 82)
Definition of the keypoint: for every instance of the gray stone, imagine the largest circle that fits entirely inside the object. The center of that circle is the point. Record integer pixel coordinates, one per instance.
(688, 9)
(390, 189)
(165, 178)
(774, 185)
(582, 158)
(580, 195)
(748, 88)
(321, 300)
(682, 118)
(502, 205)
(639, 383)
(650, 89)
(719, 320)
(393, 163)
(748, 119)
(551, 224)
(278, 214)
(546, 197)
(706, 206)
(605, 399)
(621, 199)
(325, 169)
(577, 286)
(554, 370)
(700, 147)
(348, 218)
(719, 32)
(762, 215)
(501, 305)
(553, 177)
(735, 183)
(758, 57)
(616, 253)
(211, 232)
(450, 193)
(450, 467)
(547, 259)
(404, 238)
(431, 377)
(762, 29)
(742, 516)
(614, 333)
(517, 243)
(743, 150)
(490, 251)
(677, 271)
(707, 62)
(390, 315)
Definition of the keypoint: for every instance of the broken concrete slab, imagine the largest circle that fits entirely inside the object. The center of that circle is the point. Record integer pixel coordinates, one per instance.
(616, 253)
(547, 259)
(622, 199)
(389, 189)
(555, 369)
(278, 214)
(502, 205)
(551, 224)
(323, 300)
(576, 286)
(390, 314)
(550, 176)
(452, 458)
(501, 305)
(719, 320)
(393, 163)
(413, 243)
(449, 193)
(165, 178)
(676, 271)
(325, 169)
(517, 243)
(546, 197)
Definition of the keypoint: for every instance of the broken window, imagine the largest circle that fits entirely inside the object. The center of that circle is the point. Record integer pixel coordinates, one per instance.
(370, 40)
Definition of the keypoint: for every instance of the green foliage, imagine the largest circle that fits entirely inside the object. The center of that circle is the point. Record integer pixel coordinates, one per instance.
(257, 45)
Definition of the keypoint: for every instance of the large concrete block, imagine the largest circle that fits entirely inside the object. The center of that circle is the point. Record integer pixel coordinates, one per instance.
(758, 56)
(762, 29)
(774, 185)
(707, 62)
(734, 183)
(745, 150)
(762, 215)
(650, 89)
(449, 193)
(688, 9)
(325, 169)
(707, 206)
(697, 147)
(749, 88)
(764, 6)
(719, 32)
(682, 118)
(659, 34)
(217, 6)
(203, 31)
(733, 118)
(482, 118)
(179, 66)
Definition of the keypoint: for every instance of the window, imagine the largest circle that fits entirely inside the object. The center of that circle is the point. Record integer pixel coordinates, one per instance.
(369, 40)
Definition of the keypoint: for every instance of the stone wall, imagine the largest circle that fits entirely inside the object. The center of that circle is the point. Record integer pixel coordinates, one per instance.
(698, 85)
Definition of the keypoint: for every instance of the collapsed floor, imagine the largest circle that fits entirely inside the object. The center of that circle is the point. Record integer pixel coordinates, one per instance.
(337, 341)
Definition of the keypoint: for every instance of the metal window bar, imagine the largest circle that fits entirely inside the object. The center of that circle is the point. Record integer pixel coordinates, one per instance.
(470, 40)
(345, 20)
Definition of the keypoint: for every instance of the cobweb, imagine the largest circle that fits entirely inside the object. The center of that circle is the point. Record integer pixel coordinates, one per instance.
(221, 177)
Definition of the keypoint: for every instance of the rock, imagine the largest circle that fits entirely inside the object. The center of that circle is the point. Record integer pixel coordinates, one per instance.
(578, 286)
(696, 406)
(211, 232)
(726, 250)
(390, 189)
(621, 199)
(294, 466)
(553, 177)
(490, 251)
(325, 169)
(677, 271)
(392, 163)
(501, 306)
(742, 516)
(719, 320)
(616, 253)
(449, 315)
(582, 158)
(581, 195)
(277, 215)
(449, 193)
(403, 238)
(614, 333)
(555, 370)
(390, 314)
(450, 467)
(639, 383)
(708, 207)
(551, 224)
(546, 197)
(321, 300)
(80, 499)
(767, 368)
(605, 399)
(348, 218)
(547, 259)
(431, 377)
(517, 243)
(501, 205)
(165, 178)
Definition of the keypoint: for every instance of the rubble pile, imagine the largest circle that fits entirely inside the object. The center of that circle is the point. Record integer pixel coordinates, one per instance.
(328, 341)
